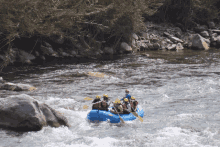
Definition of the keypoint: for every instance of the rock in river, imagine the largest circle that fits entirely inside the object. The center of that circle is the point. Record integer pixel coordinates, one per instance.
(199, 42)
(24, 113)
(16, 87)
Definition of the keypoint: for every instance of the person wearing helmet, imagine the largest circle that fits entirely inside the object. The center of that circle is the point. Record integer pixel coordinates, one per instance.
(97, 99)
(96, 102)
(133, 104)
(117, 107)
(127, 95)
(106, 99)
(126, 106)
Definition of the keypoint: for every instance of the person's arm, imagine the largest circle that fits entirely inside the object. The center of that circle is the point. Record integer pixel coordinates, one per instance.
(120, 109)
(129, 108)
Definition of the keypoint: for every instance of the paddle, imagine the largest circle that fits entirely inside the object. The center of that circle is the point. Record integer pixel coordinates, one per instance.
(117, 100)
(119, 116)
(87, 99)
(136, 115)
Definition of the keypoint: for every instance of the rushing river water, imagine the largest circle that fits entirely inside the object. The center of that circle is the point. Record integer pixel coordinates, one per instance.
(179, 92)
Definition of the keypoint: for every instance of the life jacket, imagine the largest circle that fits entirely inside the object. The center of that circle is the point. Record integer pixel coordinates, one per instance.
(96, 105)
(124, 106)
(128, 96)
(100, 105)
(104, 105)
(125, 111)
(133, 104)
(116, 106)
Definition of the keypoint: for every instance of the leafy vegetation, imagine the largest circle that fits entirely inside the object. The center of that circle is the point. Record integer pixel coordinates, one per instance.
(90, 22)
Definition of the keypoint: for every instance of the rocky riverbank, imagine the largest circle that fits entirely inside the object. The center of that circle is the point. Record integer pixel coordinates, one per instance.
(161, 36)
(170, 37)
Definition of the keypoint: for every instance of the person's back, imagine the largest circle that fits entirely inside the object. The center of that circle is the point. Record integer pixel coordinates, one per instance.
(96, 103)
(126, 106)
(117, 107)
(133, 104)
(97, 99)
(106, 99)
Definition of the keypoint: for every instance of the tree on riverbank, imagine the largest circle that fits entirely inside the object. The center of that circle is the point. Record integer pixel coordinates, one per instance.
(81, 21)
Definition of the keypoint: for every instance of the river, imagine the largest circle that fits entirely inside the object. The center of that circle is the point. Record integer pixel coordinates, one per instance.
(179, 92)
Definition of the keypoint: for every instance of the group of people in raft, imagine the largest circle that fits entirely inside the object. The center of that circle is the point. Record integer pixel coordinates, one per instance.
(128, 104)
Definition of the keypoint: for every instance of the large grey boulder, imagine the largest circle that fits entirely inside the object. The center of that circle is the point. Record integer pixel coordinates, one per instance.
(24, 113)
(125, 47)
(199, 42)
(134, 36)
(16, 87)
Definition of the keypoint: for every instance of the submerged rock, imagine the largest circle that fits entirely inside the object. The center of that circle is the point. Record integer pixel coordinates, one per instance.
(16, 87)
(24, 113)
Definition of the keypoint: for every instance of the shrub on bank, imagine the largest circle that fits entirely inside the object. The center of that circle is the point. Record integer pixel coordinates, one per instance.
(82, 21)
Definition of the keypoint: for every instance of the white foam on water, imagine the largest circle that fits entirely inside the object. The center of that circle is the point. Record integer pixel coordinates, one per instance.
(47, 136)
(175, 137)
(189, 116)
(102, 142)
(58, 102)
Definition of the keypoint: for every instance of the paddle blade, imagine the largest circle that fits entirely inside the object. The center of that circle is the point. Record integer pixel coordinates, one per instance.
(121, 119)
(135, 114)
(88, 98)
(140, 118)
(110, 114)
(85, 107)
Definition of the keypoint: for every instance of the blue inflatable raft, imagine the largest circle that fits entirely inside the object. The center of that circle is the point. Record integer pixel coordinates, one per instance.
(101, 115)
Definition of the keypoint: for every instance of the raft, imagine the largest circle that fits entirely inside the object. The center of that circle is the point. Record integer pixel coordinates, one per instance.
(101, 115)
